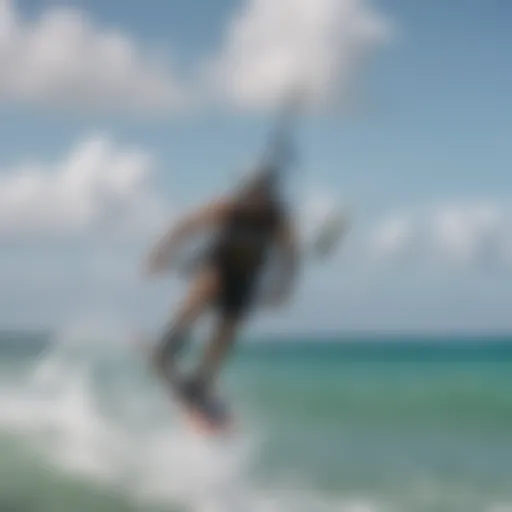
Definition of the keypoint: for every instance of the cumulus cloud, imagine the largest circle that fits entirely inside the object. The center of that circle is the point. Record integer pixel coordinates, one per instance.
(273, 46)
(99, 187)
(63, 58)
(470, 233)
(393, 236)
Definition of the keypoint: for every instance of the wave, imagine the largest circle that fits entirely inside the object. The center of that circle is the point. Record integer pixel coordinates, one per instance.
(130, 443)
(84, 426)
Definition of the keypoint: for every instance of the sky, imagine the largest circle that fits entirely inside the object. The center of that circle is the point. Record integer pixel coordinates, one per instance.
(117, 117)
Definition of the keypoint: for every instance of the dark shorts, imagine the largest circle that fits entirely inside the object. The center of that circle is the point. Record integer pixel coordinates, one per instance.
(236, 292)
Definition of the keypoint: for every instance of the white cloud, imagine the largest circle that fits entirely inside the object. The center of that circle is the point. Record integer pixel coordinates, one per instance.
(63, 58)
(98, 187)
(273, 45)
(393, 236)
(462, 233)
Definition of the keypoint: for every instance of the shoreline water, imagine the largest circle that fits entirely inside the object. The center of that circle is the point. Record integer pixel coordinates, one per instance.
(380, 425)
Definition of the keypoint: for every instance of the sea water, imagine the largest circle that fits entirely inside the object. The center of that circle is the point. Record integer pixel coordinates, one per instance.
(344, 424)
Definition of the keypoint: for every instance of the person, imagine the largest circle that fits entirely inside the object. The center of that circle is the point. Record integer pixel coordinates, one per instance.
(251, 225)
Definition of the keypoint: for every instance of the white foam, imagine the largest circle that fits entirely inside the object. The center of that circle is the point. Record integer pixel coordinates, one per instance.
(155, 461)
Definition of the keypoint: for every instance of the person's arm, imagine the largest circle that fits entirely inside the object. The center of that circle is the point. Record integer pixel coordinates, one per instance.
(210, 215)
(289, 262)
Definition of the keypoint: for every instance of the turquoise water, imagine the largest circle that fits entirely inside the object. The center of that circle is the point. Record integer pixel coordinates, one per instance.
(364, 425)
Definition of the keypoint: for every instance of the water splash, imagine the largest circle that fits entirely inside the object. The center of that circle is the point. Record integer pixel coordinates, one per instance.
(142, 450)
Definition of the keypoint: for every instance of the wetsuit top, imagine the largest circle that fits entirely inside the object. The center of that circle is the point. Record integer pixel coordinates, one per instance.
(246, 238)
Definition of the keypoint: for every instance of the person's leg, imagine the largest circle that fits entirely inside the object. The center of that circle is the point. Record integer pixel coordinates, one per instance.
(232, 303)
(217, 350)
(200, 294)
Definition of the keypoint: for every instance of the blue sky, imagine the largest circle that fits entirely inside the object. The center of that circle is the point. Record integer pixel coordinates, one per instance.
(420, 153)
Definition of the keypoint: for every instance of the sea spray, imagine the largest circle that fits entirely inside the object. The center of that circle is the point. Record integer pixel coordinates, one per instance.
(86, 426)
(144, 453)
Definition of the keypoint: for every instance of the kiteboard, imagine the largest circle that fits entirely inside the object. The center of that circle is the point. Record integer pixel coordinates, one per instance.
(208, 416)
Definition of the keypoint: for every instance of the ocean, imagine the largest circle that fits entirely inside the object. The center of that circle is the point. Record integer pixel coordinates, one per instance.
(356, 424)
